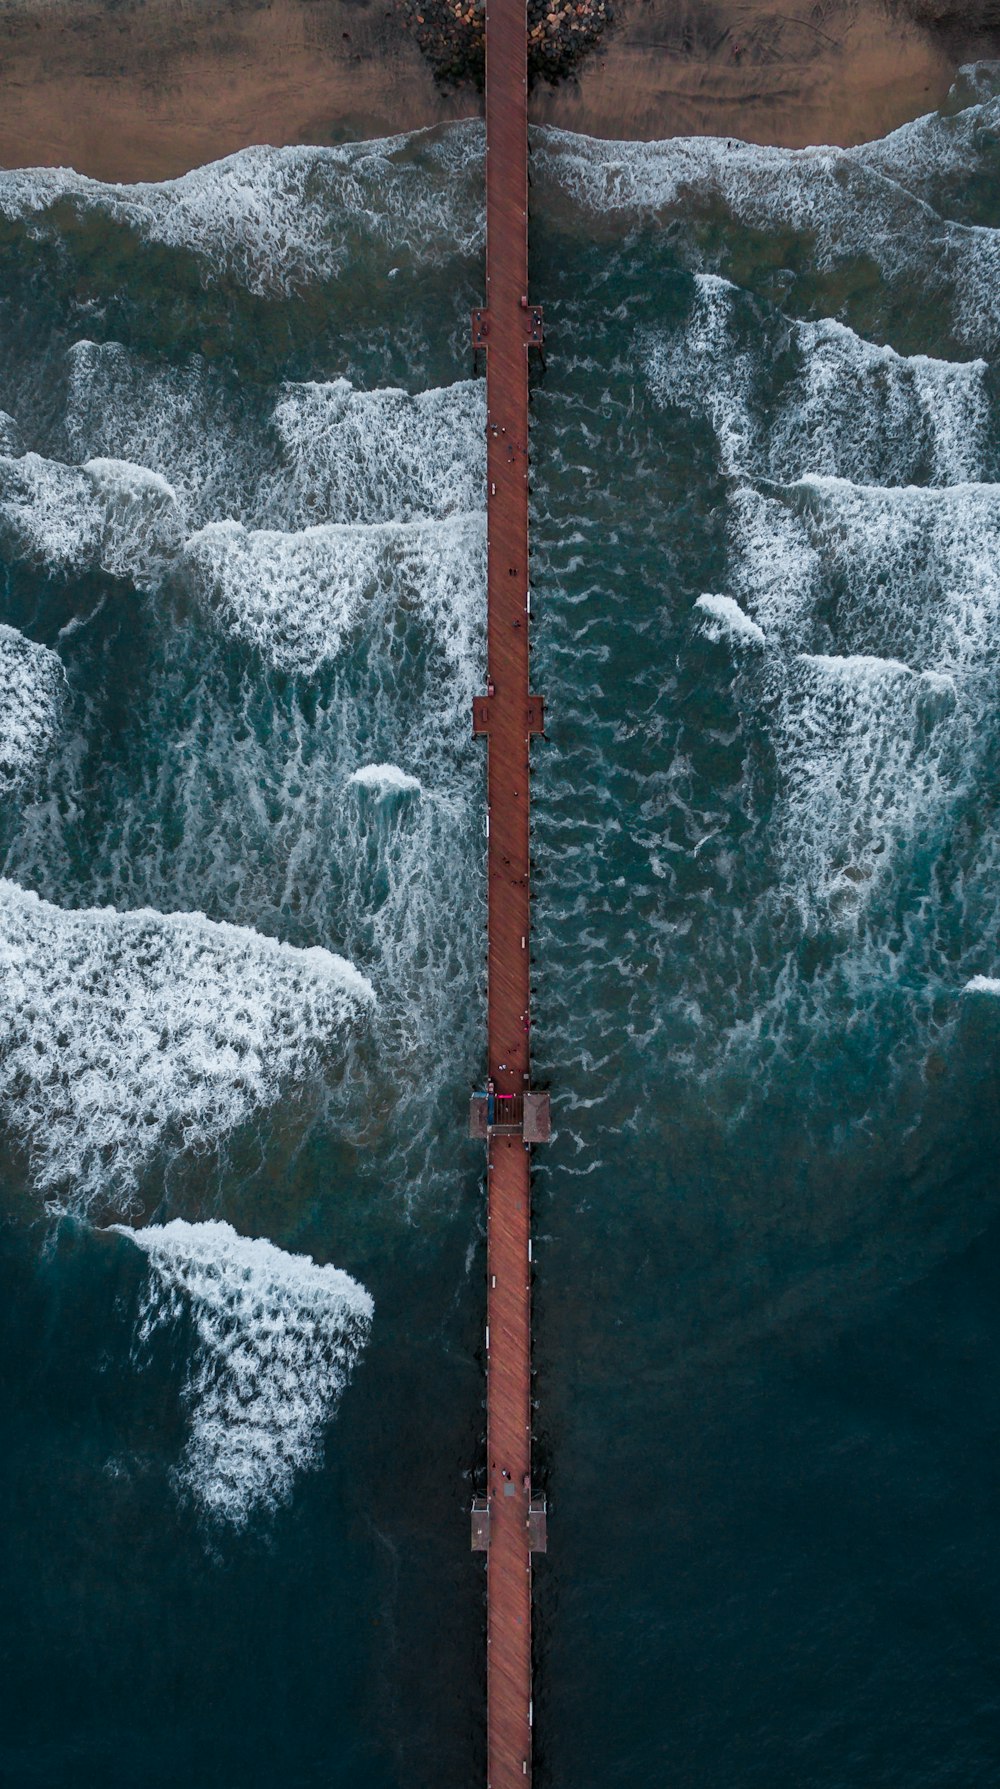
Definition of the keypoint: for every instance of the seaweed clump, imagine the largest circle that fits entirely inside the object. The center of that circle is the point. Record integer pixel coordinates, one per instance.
(452, 36)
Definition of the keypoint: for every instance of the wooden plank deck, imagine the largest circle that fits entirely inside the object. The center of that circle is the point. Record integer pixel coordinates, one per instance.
(507, 327)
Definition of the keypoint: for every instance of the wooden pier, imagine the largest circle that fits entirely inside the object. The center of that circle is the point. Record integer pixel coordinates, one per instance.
(509, 1523)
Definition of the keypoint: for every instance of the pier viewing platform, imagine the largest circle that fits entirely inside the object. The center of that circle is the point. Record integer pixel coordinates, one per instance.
(508, 1524)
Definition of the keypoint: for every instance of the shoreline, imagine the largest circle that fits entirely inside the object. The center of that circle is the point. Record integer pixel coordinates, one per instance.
(147, 89)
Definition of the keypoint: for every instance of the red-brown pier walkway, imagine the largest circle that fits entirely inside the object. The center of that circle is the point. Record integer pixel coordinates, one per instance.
(508, 1523)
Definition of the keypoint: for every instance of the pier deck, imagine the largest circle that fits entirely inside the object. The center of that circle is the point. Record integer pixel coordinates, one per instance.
(507, 327)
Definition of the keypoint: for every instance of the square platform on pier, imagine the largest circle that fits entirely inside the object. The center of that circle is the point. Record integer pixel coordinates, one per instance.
(478, 1116)
(537, 1118)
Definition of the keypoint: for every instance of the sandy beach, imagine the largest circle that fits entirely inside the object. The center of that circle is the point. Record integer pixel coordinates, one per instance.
(144, 89)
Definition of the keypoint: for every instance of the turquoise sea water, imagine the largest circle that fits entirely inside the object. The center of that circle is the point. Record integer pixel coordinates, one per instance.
(242, 955)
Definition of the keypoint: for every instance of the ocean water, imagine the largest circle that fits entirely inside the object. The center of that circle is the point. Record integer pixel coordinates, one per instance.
(242, 588)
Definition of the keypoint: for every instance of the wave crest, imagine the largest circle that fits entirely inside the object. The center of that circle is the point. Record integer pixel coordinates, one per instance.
(32, 685)
(124, 1033)
(277, 1337)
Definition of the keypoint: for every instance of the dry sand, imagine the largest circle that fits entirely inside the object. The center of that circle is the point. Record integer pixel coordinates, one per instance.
(143, 89)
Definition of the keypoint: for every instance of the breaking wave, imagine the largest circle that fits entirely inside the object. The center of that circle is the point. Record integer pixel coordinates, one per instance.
(385, 779)
(843, 205)
(787, 398)
(723, 616)
(881, 607)
(107, 513)
(122, 1034)
(275, 219)
(184, 423)
(276, 1339)
(296, 597)
(317, 452)
(378, 456)
(905, 573)
(867, 760)
(32, 683)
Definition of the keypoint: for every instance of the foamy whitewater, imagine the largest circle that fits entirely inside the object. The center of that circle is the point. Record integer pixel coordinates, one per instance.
(31, 695)
(108, 513)
(845, 209)
(124, 1033)
(726, 620)
(385, 779)
(276, 219)
(296, 597)
(839, 404)
(332, 527)
(276, 1337)
(319, 452)
(863, 551)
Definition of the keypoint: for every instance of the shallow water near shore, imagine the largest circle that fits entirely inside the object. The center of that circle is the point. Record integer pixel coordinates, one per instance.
(242, 941)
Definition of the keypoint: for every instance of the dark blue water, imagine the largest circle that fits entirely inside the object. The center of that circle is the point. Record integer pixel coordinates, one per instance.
(241, 960)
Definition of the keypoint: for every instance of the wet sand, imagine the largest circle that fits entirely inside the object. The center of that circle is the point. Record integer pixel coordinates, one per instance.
(144, 89)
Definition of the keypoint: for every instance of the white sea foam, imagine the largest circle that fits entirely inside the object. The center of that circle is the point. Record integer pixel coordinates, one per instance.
(861, 411)
(276, 1339)
(297, 597)
(32, 685)
(776, 569)
(183, 422)
(274, 219)
(224, 797)
(933, 155)
(330, 453)
(704, 369)
(125, 1033)
(385, 778)
(889, 572)
(850, 408)
(378, 456)
(881, 607)
(49, 512)
(10, 436)
(982, 984)
(866, 759)
(839, 199)
(107, 513)
(727, 618)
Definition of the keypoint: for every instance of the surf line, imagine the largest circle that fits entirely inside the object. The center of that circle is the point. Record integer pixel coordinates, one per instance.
(509, 1522)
